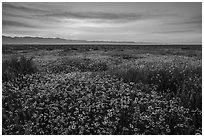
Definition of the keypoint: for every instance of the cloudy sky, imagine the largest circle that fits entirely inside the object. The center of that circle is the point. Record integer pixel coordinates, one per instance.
(141, 22)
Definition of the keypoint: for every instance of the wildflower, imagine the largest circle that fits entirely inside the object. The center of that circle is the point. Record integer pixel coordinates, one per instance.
(168, 130)
(131, 126)
(181, 125)
(143, 117)
(96, 124)
(158, 122)
(150, 108)
(147, 126)
(125, 129)
(136, 129)
(198, 134)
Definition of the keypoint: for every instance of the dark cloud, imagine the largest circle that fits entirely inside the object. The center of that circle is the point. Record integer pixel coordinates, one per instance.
(16, 15)
(17, 24)
(94, 15)
(195, 20)
(177, 31)
(6, 6)
(134, 19)
(106, 16)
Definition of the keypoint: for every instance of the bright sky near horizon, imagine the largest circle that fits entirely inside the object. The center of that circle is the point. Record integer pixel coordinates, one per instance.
(129, 21)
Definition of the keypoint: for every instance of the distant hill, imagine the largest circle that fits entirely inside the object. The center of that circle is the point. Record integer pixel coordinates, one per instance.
(36, 40)
(51, 41)
(40, 40)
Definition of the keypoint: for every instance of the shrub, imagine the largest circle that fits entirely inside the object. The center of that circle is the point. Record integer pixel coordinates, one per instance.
(98, 66)
(185, 83)
(77, 64)
(17, 66)
(129, 75)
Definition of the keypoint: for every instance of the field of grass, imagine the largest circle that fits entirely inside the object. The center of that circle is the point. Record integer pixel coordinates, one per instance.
(102, 89)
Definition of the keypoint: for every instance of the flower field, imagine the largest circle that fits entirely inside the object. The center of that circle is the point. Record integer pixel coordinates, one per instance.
(108, 95)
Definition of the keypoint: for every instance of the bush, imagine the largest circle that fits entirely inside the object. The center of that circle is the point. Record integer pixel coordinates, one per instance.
(185, 83)
(77, 64)
(17, 66)
(167, 78)
(129, 75)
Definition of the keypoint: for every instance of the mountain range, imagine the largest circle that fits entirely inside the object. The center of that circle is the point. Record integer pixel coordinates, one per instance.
(41, 40)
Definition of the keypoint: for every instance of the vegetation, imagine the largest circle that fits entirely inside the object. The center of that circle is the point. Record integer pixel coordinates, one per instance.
(179, 81)
(67, 65)
(17, 66)
(102, 92)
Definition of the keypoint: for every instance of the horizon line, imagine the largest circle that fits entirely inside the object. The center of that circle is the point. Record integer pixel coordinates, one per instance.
(149, 43)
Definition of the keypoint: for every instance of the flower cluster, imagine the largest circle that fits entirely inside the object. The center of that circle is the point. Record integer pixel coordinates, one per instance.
(88, 103)
(75, 64)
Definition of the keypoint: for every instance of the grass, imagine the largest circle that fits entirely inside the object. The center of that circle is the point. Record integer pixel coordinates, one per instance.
(170, 78)
(123, 91)
(17, 66)
(67, 65)
(80, 103)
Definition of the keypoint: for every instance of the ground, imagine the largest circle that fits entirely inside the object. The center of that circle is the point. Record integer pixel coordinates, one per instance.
(105, 89)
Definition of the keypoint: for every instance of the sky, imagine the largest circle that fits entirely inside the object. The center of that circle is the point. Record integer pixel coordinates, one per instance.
(127, 21)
